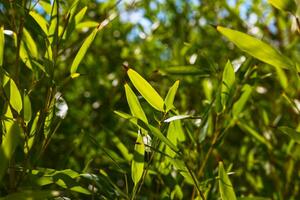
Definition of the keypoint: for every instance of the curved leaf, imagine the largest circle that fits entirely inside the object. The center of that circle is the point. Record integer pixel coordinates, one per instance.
(228, 80)
(257, 48)
(284, 5)
(146, 90)
(82, 51)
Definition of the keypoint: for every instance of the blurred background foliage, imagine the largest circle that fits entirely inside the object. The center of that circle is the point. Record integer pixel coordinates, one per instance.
(165, 41)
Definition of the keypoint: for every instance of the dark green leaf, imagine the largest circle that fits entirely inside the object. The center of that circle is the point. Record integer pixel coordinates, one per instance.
(225, 186)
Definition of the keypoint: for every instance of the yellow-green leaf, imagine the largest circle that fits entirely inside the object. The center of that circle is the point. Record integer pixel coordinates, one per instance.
(15, 98)
(30, 43)
(284, 5)
(40, 20)
(240, 103)
(228, 80)
(171, 95)
(134, 104)
(137, 166)
(146, 90)
(2, 41)
(257, 48)
(175, 134)
(225, 186)
(10, 141)
(83, 49)
(31, 195)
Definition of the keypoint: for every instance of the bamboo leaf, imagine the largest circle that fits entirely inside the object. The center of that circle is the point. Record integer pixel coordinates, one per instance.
(257, 48)
(30, 44)
(175, 134)
(83, 49)
(169, 100)
(228, 80)
(40, 20)
(295, 135)
(134, 104)
(146, 90)
(225, 186)
(15, 98)
(177, 117)
(284, 5)
(137, 166)
(240, 103)
(2, 41)
(10, 141)
(27, 109)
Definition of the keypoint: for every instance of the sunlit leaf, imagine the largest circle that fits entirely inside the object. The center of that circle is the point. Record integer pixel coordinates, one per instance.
(137, 165)
(87, 24)
(31, 47)
(295, 135)
(186, 70)
(177, 117)
(240, 103)
(2, 41)
(80, 15)
(83, 49)
(40, 20)
(53, 27)
(146, 90)
(10, 141)
(257, 48)
(225, 186)
(15, 98)
(171, 95)
(175, 134)
(284, 5)
(134, 104)
(228, 80)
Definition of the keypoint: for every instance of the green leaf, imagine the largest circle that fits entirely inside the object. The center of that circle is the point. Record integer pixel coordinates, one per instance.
(40, 20)
(254, 133)
(137, 166)
(80, 15)
(182, 169)
(284, 5)
(175, 134)
(171, 95)
(30, 43)
(228, 80)
(53, 27)
(240, 103)
(185, 70)
(177, 117)
(27, 109)
(15, 99)
(253, 198)
(257, 48)
(87, 24)
(225, 186)
(10, 141)
(146, 90)
(295, 135)
(82, 51)
(134, 104)
(2, 42)
(32, 195)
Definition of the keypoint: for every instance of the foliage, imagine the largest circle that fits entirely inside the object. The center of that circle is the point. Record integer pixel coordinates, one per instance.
(206, 105)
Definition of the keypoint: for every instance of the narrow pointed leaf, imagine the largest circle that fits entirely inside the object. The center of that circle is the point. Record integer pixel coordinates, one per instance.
(240, 103)
(27, 109)
(137, 166)
(225, 186)
(228, 80)
(9, 142)
(169, 100)
(15, 99)
(295, 135)
(83, 49)
(257, 48)
(175, 134)
(146, 90)
(2, 41)
(177, 117)
(134, 104)
(284, 5)
(40, 20)
(31, 195)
